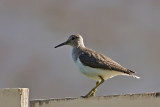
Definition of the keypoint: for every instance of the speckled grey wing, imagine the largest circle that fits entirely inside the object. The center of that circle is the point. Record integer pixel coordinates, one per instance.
(96, 60)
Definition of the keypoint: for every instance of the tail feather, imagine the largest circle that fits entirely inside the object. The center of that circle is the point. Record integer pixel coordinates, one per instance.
(134, 76)
(130, 71)
(131, 74)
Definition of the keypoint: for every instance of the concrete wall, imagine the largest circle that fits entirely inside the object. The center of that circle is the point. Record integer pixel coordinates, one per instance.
(132, 100)
(14, 97)
(20, 97)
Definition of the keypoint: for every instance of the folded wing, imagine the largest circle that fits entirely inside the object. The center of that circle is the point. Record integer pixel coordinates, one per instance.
(96, 60)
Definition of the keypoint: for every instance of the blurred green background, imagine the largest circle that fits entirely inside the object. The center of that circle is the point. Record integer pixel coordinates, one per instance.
(128, 31)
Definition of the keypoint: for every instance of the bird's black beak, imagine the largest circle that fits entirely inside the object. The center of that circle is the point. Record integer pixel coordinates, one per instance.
(64, 43)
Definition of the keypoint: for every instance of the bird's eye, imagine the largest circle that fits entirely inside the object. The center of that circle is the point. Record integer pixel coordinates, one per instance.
(73, 38)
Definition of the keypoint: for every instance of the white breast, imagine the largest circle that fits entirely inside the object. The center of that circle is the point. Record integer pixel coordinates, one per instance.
(95, 73)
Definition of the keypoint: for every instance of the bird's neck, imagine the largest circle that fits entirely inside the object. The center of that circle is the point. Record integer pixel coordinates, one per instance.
(76, 51)
(79, 44)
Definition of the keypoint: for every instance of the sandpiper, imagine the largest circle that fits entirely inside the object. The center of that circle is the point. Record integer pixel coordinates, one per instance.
(93, 64)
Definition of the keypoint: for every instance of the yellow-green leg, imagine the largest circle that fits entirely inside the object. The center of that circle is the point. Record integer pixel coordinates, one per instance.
(92, 92)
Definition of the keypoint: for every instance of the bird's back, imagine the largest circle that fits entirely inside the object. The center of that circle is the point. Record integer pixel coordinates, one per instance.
(94, 59)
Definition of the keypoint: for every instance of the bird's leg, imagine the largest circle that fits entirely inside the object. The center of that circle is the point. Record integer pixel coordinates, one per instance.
(92, 92)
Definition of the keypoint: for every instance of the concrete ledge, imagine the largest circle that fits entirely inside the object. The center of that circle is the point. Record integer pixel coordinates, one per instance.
(17, 97)
(129, 100)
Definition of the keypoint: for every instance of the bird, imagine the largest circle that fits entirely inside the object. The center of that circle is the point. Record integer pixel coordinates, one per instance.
(94, 64)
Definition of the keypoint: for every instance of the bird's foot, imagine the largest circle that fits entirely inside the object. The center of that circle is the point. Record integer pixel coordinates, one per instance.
(90, 94)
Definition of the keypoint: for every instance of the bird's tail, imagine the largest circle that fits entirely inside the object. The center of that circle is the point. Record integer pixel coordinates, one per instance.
(134, 76)
(131, 74)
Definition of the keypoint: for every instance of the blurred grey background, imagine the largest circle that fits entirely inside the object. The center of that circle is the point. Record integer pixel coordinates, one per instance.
(128, 31)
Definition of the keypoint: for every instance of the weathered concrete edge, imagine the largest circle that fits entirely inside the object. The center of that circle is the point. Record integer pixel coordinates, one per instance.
(153, 94)
(24, 97)
(14, 97)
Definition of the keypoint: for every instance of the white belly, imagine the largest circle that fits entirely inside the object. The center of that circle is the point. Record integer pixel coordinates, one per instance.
(96, 73)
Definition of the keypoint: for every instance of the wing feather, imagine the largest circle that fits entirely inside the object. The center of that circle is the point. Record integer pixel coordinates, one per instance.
(96, 60)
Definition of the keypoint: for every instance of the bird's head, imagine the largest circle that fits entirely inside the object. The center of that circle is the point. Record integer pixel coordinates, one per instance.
(73, 40)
